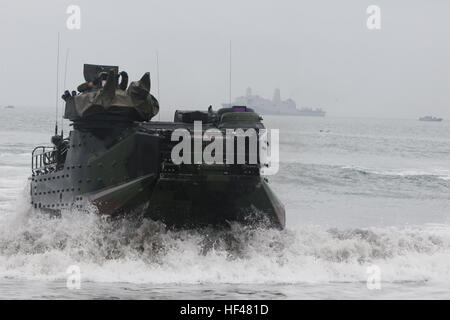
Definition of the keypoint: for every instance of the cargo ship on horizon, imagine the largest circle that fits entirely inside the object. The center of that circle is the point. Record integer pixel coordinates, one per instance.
(430, 118)
(276, 106)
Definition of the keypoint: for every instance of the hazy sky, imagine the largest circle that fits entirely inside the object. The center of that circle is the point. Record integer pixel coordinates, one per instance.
(318, 52)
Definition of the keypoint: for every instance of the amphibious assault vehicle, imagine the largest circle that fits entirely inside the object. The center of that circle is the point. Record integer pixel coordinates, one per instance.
(119, 160)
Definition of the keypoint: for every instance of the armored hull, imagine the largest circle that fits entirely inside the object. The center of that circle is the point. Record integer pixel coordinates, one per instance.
(119, 165)
(119, 170)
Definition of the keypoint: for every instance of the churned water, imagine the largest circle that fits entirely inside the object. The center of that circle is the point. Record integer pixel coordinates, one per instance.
(358, 193)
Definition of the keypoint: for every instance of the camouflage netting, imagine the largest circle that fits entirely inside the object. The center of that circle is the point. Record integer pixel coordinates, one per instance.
(132, 103)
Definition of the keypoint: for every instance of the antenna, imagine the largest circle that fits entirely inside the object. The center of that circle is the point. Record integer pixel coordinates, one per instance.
(157, 80)
(57, 89)
(65, 68)
(65, 88)
(230, 74)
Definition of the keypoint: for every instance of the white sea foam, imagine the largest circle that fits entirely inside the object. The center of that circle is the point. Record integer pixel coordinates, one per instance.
(33, 246)
(436, 172)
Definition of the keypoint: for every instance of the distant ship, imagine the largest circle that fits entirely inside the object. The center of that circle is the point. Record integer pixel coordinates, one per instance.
(276, 105)
(430, 118)
(309, 112)
(9, 107)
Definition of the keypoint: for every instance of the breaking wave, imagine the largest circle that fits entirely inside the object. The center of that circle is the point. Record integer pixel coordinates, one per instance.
(35, 246)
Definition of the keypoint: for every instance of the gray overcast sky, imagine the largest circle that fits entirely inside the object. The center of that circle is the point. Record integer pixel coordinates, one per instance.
(318, 52)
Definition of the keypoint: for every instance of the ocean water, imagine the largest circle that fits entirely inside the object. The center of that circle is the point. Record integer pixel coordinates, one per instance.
(359, 194)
